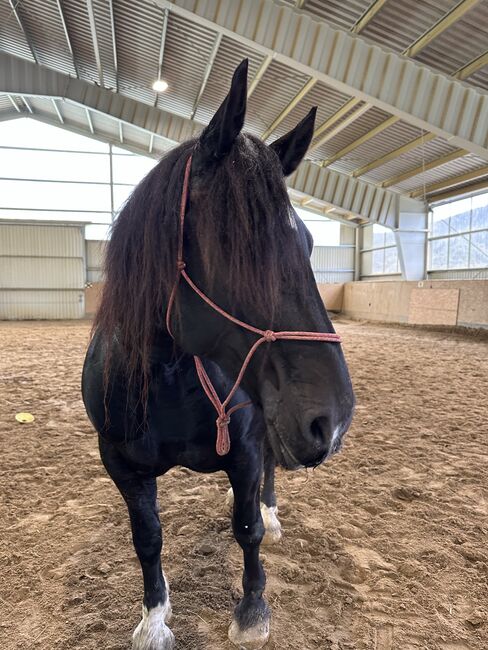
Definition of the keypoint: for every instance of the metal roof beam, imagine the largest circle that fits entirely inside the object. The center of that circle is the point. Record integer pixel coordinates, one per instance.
(330, 121)
(27, 105)
(89, 121)
(265, 63)
(452, 182)
(413, 144)
(289, 107)
(96, 49)
(13, 7)
(164, 29)
(440, 26)
(114, 45)
(357, 143)
(472, 67)
(399, 178)
(66, 35)
(367, 16)
(21, 77)
(14, 103)
(206, 75)
(345, 193)
(459, 191)
(58, 112)
(340, 127)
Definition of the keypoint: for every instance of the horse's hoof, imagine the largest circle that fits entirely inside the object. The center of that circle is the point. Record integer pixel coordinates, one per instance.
(229, 499)
(272, 525)
(152, 633)
(251, 638)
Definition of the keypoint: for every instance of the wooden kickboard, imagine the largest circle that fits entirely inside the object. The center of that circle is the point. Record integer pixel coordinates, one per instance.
(433, 307)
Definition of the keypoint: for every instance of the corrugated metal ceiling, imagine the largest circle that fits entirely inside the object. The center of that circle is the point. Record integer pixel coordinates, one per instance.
(422, 154)
(447, 171)
(131, 64)
(187, 50)
(327, 99)
(339, 13)
(229, 55)
(276, 89)
(369, 120)
(12, 39)
(400, 22)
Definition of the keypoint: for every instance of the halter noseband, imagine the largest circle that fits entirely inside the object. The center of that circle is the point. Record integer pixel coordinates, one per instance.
(266, 336)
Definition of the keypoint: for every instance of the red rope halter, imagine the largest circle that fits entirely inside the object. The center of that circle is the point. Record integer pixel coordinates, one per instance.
(266, 336)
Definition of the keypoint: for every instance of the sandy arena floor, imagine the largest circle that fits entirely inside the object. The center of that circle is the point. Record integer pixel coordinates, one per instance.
(385, 546)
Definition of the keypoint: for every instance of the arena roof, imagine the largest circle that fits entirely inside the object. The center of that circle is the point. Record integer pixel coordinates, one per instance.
(401, 85)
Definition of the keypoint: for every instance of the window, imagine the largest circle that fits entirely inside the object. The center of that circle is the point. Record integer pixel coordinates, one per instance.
(379, 255)
(325, 232)
(458, 234)
(49, 173)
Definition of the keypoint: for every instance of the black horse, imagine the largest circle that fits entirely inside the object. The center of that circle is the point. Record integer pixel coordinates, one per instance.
(246, 248)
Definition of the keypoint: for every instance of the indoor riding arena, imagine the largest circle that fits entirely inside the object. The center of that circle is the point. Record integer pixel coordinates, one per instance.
(376, 117)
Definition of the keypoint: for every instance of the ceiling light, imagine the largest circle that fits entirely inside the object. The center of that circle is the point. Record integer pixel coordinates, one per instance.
(160, 85)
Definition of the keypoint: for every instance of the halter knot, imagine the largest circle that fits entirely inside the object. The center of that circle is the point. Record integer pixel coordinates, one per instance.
(269, 335)
(222, 445)
(180, 265)
(223, 420)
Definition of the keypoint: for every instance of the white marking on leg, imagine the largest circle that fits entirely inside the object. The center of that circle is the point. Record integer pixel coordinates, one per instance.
(152, 633)
(253, 638)
(229, 499)
(169, 610)
(271, 524)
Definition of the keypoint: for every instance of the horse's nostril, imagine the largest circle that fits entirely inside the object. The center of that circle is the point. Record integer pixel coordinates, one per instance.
(318, 429)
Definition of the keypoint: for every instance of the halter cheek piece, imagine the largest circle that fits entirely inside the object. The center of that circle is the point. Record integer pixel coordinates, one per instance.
(266, 336)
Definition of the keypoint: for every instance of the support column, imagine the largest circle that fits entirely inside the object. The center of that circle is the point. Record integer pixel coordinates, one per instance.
(111, 163)
(357, 253)
(411, 239)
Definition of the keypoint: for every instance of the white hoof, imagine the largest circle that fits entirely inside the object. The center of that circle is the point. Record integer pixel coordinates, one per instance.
(152, 633)
(251, 639)
(271, 524)
(229, 499)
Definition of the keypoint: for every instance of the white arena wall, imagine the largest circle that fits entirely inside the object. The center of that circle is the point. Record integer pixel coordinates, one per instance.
(42, 271)
(49, 271)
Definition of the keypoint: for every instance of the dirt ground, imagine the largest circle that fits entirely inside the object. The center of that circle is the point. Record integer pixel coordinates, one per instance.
(385, 546)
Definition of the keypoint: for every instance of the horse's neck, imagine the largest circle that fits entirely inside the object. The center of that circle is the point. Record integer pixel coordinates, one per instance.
(164, 348)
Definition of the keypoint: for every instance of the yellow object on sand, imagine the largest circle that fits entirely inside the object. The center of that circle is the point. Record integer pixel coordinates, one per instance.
(24, 417)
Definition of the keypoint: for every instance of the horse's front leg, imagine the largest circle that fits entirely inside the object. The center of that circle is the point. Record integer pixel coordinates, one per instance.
(250, 627)
(269, 509)
(140, 494)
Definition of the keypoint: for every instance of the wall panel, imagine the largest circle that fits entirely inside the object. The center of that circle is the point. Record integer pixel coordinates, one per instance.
(42, 271)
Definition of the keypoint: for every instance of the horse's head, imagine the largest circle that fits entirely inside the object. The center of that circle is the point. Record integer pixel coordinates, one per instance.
(247, 249)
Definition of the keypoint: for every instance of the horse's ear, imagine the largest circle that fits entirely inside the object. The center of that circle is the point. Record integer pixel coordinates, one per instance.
(218, 137)
(292, 146)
